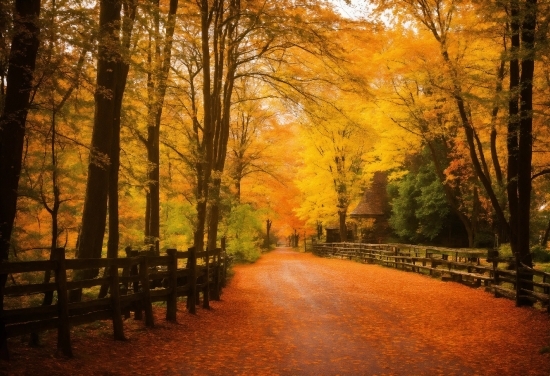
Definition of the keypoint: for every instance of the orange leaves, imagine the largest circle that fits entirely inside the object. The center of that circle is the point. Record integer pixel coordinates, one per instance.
(293, 313)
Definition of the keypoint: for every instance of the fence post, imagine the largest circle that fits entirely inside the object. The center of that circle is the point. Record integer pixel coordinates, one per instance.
(518, 286)
(192, 273)
(217, 274)
(135, 287)
(172, 300)
(118, 329)
(206, 285)
(146, 292)
(126, 274)
(224, 254)
(63, 327)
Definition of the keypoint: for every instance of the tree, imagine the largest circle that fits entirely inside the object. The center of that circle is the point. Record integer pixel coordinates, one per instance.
(253, 134)
(94, 215)
(21, 65)
(420, 210)
(159, 53)
(337, 142)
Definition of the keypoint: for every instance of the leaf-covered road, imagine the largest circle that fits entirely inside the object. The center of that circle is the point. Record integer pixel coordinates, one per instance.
(295, 314)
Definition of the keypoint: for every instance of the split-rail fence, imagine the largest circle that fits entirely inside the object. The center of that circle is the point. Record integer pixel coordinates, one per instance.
(511, 279)
(134, 282)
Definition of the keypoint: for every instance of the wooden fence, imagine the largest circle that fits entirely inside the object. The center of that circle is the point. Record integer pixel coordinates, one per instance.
(134, 282)
(516, 281)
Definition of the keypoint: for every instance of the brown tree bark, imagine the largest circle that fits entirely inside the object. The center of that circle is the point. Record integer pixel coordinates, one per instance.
(21, 66)
(342, 212)
(159, 67)
(129, 7)
(95, 203)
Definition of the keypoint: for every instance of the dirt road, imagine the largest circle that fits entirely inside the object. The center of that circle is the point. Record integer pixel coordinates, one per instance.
(295, 314)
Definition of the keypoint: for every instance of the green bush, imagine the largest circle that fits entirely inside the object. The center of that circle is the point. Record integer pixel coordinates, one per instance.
(244, 233)
(540, 254)
(505, 250)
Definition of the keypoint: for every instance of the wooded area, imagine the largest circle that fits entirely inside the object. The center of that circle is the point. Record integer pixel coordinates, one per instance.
(166, 124)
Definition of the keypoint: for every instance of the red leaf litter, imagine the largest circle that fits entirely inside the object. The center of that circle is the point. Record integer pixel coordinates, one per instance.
(292, 313)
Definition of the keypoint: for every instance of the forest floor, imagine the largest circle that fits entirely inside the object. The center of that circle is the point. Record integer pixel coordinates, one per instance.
(292, 313)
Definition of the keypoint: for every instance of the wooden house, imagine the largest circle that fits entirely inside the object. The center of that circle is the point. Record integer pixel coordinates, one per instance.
(371, 214)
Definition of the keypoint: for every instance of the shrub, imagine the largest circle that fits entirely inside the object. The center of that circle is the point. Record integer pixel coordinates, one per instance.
(540, 254)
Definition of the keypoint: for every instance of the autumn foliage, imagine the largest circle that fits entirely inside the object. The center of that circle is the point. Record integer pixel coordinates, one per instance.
(294, 313)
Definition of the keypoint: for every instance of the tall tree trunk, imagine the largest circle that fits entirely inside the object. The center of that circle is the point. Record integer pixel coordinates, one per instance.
(342, 212)
(95, 203)
(525, 144)
(268, 224)
(205, 152)
(512, 141)
(21, 66)
(54, 209)
(129, 7)
(223, 37)
(159, 67)
(526, 129)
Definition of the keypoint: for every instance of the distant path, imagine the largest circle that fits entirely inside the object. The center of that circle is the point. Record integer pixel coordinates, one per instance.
(292, 313)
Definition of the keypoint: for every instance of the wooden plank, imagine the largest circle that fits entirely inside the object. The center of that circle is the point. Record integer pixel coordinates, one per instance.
(158, 275)
(539, 296)
(19, 315)
(87, 283)
(192, 260)
(201, 254)
(88, 263)
(93, 263)
(126, 300)
(129, 279)
(116, 310)
(182, 255)
(29, 289)
(539, 273)
(158, 261)
(90, 317)
(473, 275)
(500, 291)
(63, 329)
(94, 304)
(146, 291)
(206, 287)
(20, 329)
(172, 299)
(534, 283)
(26, 266)
(160, 293)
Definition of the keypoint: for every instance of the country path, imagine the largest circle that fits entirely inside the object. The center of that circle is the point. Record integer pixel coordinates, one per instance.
(292, 313)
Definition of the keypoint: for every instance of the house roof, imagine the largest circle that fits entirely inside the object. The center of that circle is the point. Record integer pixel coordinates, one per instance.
(375, 199)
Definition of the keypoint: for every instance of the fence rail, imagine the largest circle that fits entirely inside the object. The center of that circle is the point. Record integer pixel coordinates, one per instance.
(518, 281)
(134, 283)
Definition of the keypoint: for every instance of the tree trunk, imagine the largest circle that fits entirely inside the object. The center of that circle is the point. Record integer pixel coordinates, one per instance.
(342, 224)
(544, 240)
(525, 152)
(526, 130)
(268, 224)
(21, 66)
(159, 67)
(512, 142)
(123, 69)
(95, 204)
